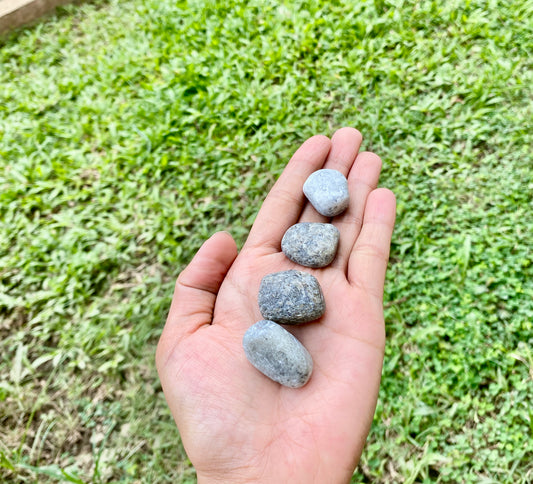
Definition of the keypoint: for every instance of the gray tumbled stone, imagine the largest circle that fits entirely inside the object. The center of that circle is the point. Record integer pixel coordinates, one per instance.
(327, 190)
(311, 244)
(291, 297)
(277, 354)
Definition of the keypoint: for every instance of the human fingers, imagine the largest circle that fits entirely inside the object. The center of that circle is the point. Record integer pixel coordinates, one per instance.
(283, 204)
(368, 260)
(345, 144)
(196, 291)
(362, 179)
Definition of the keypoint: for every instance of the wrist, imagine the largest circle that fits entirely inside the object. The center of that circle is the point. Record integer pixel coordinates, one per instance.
(236, 475)
(224, 479)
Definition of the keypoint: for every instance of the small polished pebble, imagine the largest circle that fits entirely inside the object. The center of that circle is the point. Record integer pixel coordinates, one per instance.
(327, 190)
(291, 297)
(311, 244)
(277, 354)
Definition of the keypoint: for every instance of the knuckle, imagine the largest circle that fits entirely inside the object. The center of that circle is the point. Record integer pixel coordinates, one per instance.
(373, 251)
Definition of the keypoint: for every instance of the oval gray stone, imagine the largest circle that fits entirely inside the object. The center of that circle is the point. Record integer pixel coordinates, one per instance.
(327, 190)
(277, 354)
(291, 297)
(311, 244)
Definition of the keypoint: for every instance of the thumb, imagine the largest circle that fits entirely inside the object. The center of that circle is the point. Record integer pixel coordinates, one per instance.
(196, 291)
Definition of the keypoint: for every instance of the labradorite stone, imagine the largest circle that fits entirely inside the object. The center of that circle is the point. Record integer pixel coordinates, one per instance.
(327, 190)
(311, 244)
(277, 354)
(291, 297)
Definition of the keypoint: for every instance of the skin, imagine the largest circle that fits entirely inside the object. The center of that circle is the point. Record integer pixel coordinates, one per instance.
(237, 425)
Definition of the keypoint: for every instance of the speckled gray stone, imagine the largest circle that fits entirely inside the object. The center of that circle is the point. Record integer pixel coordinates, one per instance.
(277, 354)
(291, 297)
(327, 190)
(311, 244)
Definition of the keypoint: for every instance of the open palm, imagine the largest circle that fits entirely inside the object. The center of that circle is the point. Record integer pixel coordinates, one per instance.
(236, 424)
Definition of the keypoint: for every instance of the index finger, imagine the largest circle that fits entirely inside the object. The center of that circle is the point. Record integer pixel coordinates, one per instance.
(284, 203)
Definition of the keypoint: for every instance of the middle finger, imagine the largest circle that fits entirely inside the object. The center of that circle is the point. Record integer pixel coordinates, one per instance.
(345, 144)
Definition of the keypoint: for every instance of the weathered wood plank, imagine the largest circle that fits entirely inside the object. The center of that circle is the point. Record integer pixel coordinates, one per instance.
(14, 13)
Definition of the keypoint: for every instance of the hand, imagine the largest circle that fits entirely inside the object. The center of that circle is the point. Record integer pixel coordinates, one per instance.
(237, 425)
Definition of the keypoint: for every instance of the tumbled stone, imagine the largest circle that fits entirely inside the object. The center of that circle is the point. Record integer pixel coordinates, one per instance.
(277, 354)
(311, 244)
(327, 190)
(291, 297)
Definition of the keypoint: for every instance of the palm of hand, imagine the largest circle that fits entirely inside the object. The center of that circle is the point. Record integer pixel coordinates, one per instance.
(235, 423)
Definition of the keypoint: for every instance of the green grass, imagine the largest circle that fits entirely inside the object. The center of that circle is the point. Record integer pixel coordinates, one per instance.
(130, 131)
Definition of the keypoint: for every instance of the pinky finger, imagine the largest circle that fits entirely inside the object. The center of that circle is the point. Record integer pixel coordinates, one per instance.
(368, 261)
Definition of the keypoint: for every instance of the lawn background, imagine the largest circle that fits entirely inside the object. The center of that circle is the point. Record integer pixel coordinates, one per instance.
(130, 131)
